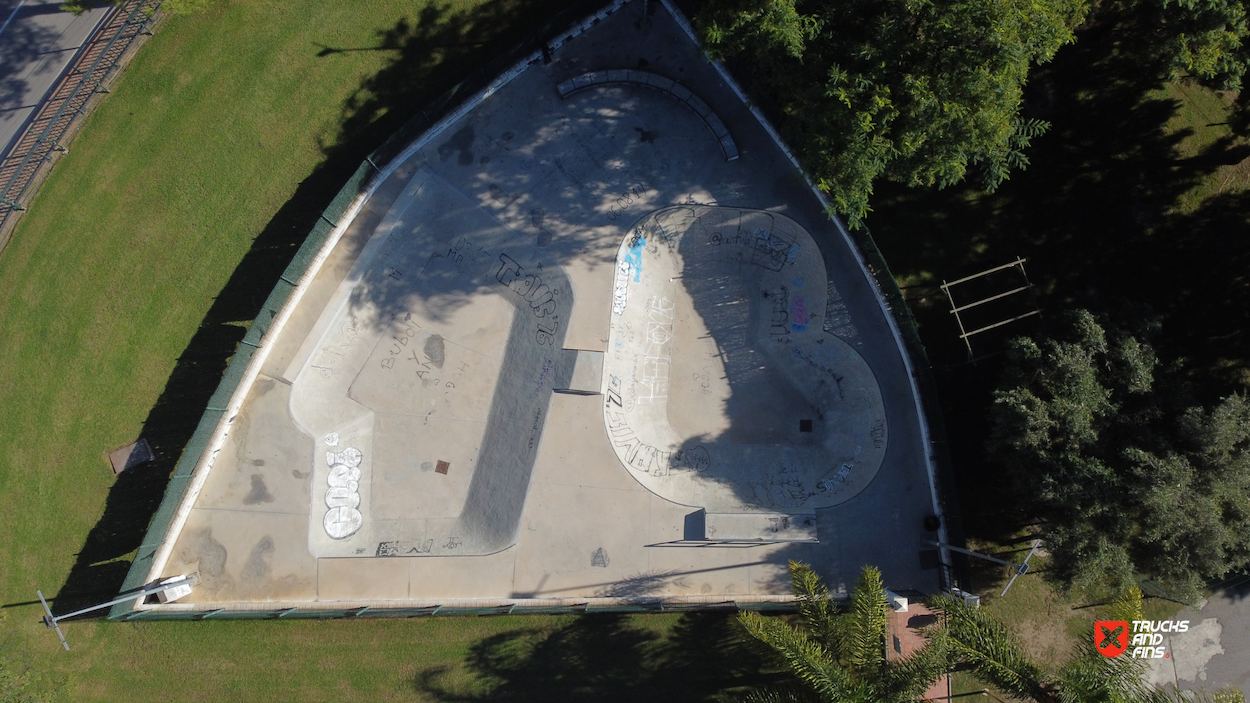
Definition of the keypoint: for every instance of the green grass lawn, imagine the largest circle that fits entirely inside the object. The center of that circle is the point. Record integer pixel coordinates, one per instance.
(1201, 118)
(518, 658)
(138, 266)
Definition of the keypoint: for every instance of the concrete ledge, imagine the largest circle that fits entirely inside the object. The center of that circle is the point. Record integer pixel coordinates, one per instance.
(667, 85)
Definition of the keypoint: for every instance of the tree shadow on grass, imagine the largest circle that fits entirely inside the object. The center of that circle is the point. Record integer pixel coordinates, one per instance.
(442, 47)
(1095, 214)
(604, 658)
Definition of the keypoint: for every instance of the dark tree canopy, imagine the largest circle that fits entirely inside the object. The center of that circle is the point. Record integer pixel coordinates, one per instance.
(1205, 39)
(915, 91)
(1130, 479)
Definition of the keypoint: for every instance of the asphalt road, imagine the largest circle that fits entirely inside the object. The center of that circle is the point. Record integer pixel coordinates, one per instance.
(1215, 651)
(37, 44)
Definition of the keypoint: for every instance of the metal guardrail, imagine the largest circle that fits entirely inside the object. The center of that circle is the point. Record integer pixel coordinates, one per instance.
(651, 605)
(96, 65)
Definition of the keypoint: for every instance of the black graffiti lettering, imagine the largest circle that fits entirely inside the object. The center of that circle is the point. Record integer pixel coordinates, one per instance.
(780, 317)
(541, 297)
(547, 335)
(509, 270)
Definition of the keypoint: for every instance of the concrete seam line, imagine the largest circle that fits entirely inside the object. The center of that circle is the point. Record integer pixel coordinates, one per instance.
(872, 281)
(203, 466)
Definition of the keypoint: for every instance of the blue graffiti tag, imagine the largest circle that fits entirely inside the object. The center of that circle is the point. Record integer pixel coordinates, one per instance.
(634, 257)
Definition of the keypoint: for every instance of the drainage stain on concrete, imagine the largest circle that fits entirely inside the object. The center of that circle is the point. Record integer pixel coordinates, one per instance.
(209, 556)
(258, 568)
(260, 492)
(435, 349)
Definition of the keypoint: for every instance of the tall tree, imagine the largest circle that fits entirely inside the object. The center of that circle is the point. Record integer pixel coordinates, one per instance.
(1128, 479)
(1205, 39)
(915, 91)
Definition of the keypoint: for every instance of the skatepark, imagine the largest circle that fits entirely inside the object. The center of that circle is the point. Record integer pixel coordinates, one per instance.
(591, 340)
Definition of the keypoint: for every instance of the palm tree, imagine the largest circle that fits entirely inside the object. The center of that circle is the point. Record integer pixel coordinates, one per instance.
(839, 656)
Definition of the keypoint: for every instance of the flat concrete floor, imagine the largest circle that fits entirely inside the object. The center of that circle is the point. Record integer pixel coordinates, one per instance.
(441, 416)
(1211, 654)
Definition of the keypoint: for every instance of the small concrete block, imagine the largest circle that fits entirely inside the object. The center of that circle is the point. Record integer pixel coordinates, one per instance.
(172, 594)
(718, 127)
(618, 75)
(699, 106)
(968, 598)
(729, 147)
(897, 603)
(581, 81)
(635, 76)
(587, 371)
(565, 88)
(681, 91)
(130, 456)
(597, 77)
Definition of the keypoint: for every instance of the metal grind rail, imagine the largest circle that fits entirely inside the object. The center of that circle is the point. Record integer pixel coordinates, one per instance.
(91, 70)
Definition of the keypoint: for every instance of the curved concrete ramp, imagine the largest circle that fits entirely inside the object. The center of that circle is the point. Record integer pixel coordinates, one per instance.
(425, 382)
(721, 388)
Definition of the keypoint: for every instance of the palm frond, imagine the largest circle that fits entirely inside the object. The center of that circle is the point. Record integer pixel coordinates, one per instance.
(1089, 676)
(864, 639)
(818, 612)
(908, 679)
(810, 662)
(778, 694)
(985, 644)
(1127, 606)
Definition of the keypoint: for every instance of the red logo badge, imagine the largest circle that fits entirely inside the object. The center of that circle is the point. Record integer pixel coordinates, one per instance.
(1111, 637)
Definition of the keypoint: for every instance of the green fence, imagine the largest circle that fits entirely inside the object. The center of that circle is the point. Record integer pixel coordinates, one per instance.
(643, 606)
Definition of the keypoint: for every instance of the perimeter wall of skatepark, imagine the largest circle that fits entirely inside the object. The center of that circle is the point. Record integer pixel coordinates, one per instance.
(337, 215)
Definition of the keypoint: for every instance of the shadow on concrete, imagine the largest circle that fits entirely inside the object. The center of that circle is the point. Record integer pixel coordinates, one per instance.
(1095, 214)
(439, 49)
(604, 658)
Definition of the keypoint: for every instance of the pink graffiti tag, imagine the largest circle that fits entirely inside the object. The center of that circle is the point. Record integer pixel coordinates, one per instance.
(798, 314)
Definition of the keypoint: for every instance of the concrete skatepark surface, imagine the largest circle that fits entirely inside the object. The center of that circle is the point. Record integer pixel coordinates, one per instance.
(721, 389)
(573, 347)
